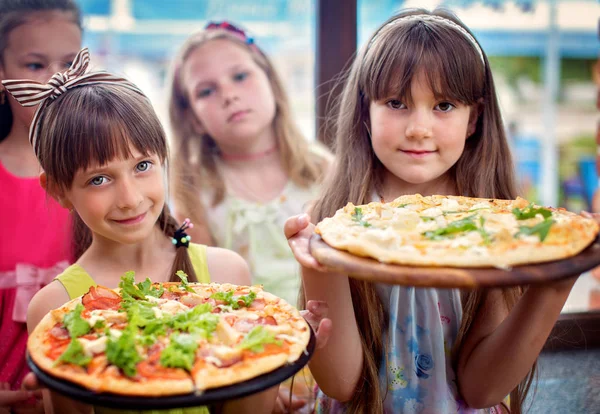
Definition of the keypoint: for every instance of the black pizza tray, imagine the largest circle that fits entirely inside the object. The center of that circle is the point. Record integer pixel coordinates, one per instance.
(208, 397)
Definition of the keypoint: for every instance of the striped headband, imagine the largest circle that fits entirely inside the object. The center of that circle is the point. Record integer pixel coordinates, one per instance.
(438, 19)
(31, 93)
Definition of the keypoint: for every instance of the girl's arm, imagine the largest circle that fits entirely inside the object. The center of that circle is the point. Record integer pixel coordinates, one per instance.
(501, 347)
(226, 266)
(337, 365)
(50, 297)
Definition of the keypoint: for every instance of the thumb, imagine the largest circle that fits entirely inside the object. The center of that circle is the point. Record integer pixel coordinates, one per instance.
(13, 397)
(295, 224)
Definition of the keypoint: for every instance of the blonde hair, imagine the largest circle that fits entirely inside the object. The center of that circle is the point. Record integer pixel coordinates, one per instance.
(384, 68)
(93, 124)
(196, 153)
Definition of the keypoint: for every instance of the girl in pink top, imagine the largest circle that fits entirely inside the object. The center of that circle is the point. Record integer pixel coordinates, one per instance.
(37, 39)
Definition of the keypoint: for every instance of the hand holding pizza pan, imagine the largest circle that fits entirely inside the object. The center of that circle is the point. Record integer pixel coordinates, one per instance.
(456, 242)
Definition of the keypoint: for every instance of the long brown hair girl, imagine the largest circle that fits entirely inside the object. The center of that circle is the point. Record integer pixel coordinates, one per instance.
(421, 89)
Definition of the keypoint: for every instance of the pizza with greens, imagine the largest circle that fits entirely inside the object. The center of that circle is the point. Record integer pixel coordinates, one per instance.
(451, 231)
(159, 339)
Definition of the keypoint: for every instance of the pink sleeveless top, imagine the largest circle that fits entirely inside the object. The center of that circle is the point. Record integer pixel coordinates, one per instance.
(35, 241)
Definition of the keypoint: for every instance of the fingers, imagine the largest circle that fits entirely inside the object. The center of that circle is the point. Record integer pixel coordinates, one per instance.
(295, 224)
(595, 216)
(30, 382)
(318, 307)
(323, 333)
(282, 404)
(8, 397)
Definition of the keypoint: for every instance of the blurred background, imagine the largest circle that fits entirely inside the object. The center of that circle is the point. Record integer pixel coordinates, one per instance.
(543, 55)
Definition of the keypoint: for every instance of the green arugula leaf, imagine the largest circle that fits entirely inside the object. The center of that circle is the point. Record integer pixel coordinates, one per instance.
(75, 324)
(184, 281)
(402, 205)
(530, 212)
(459, 226)
(541, 229)
(139, 291)
(199, 321)
(122, 352)
(425, 218)
(140, 313)
(74, 354)
(256, 339)
(358, 217)
(484, 234)
(180, 353)
(234, 301)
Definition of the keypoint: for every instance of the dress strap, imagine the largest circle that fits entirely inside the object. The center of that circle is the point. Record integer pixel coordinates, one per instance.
(76, 281)
(198, 258)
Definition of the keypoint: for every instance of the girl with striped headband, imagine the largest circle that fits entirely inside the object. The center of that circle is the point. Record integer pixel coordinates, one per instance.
(419, 114)
(104, 157)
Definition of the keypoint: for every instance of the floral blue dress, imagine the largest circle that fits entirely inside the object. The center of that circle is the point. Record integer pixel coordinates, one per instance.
(416, 375)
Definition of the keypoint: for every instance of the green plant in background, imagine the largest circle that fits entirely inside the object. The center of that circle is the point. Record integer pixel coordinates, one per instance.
(571, 152)
(515, 67)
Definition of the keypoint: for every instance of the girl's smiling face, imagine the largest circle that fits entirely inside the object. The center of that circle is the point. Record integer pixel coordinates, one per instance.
(44, 44)
(120, 201)
(420, 139)
(229, 94)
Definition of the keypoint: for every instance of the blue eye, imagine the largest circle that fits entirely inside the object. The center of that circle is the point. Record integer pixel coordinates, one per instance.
(238, 77)
(34, 66)
(395, 104)
(203, 93)
(445, 107)
(143, 166)
(97, 181)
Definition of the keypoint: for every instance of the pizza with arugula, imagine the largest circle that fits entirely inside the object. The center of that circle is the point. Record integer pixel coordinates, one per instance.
(452, 231)
(159, 339)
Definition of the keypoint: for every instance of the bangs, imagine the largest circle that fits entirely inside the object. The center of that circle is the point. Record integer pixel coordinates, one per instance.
(451, 65)
(92, 125)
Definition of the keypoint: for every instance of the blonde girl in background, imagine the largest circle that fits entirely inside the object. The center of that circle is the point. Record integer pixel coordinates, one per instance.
(37, 38)
(104, 155)
(419, 114)
(242, 166)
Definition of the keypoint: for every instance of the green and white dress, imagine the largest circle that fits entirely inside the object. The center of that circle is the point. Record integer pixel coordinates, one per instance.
(255, 231)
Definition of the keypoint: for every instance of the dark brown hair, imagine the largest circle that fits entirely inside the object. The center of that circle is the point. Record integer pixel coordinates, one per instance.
(195, 153)
(385, 68)
(91, 125)
(14, 13)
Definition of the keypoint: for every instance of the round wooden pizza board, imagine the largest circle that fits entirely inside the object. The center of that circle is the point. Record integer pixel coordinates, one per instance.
(210, 396)
(451, 277)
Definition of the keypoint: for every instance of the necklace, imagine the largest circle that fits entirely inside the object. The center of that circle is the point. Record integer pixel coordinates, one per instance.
(248, 157)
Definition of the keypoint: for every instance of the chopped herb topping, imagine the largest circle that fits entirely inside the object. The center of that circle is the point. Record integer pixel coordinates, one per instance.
(358, 217)
(541, 229)
(464, 225)
(530, 212)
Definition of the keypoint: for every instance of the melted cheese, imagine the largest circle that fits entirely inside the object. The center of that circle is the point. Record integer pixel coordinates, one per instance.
(449, 204)
(173, 307)
(93, 346)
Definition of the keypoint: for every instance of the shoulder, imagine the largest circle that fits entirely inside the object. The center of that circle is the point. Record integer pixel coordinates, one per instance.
(226, 266)
(50, 297)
